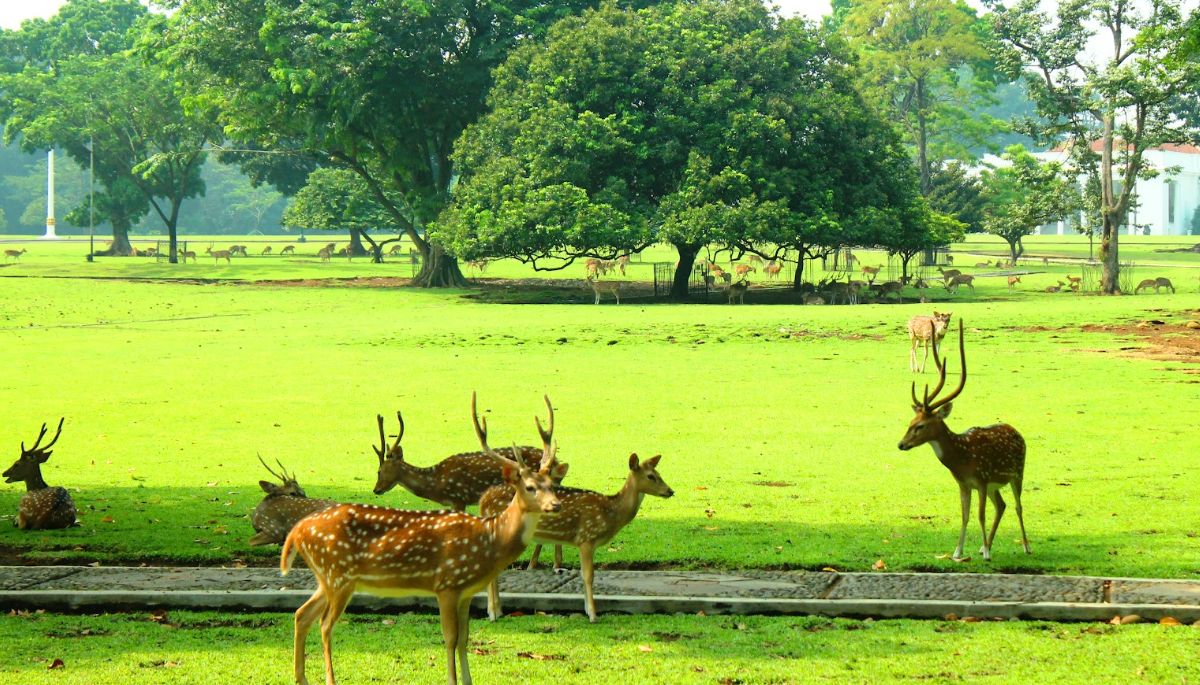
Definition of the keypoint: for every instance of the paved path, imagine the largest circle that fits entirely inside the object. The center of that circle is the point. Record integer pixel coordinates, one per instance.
(914, 595)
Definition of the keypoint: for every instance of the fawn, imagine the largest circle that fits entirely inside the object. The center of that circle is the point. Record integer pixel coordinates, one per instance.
(981, 459)
(42, 507)
(393, 552)
(585, 520)
(1013, 281)
(284, 505)
(458, 480)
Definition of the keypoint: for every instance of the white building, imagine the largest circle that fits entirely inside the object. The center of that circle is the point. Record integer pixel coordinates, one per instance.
(1163, 205)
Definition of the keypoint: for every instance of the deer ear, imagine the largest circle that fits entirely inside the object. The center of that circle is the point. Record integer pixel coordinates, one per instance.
(508, 473)
(943, 411)
(652, 462)
(44, 456)
(560, 470)
(633, 461)
(268, 487)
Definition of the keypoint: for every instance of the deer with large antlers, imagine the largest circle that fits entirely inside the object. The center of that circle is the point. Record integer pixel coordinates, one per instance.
(458, 480)
(394, 552)
(981, 459)
(284, 505)
(43, 507)
(586, 520)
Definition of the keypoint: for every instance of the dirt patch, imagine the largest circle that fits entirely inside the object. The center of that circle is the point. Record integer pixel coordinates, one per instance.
(1164, 338)
(773, 483)
(840, 335)
(356, 282)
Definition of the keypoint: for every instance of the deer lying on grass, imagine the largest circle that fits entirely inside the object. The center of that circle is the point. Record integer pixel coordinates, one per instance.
(14, 255)
(458, 480)
(737, 291)
(586, 520)
(982, 459)
(284, 505)
(394, 552)
(42, 507)
(1055, 288)
(1156, 283)
(600, 287)
(925, 331)
(218, 255)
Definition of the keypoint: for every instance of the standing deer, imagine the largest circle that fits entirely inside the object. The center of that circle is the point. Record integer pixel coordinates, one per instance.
(218, 255)
(479, 265)
(742, 269)
(1013, 281)
(1156, 283)
(586, 520)
(284, 505)
(737, 291)
(288, 250)
(947, 274)
(772, 270)
(184, 254)
(239, 250)
(42, 507)
(982, 459)
(926, 331)
(14, 255)
(622, 262)
(458, 480)
(961, 279)
(890, 288)
(394, 552)
(870, 272)
(266, 251)
(324, 253)
(599, 287)
(396, 249)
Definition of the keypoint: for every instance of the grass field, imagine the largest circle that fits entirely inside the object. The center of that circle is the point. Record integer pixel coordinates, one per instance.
(255, 649)
(778, 425)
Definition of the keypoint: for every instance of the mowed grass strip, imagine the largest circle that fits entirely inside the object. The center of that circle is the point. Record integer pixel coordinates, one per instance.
(778, 425)
(235, 649)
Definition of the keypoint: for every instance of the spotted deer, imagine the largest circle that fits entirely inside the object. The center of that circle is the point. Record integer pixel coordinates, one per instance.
(324, 253)
(239, 250)
(1013, 281)
(961, 279)
(457, 481)
(601, 287)
(736, 292)
(622, 262)
(14, 255)
(742, 269)
(218, 255)
(981, 459)
(266, 251)
(396, 249)
(288, 250)
(948, 274)
(42, 507)
(772, 270)
(586, 520)
(284, 505)
(925, 331)
(1156, 283)
(396, 552)
(870, 272)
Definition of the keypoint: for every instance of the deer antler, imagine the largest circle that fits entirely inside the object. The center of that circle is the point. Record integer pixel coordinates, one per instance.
(549, 447)
(43, 450)
(481, 433)
(962, 380)
(382, 450)
(272, 471)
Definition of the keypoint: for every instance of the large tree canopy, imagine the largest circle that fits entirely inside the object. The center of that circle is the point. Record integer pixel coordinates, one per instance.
(381, 87)
(694, 123)
(339, 199)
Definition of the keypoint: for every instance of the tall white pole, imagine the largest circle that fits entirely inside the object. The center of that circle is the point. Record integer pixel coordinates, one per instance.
(50, 235)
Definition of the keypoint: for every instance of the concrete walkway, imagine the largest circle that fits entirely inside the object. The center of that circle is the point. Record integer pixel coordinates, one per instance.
(910, 595)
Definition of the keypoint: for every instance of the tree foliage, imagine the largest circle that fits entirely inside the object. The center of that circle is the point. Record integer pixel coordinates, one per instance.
(338, 199)
(1024, 195)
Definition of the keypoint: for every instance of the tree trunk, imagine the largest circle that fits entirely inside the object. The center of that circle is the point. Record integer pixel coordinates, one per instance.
(356, 245)
(798, 279)
(120, 241)
(1110, 278)
(905, 258)
(683, 270)
(438, 269)
(923, 141)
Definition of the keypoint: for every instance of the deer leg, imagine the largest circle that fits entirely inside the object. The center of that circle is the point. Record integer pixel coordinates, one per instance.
(617, 294)
(586, 552)
(338, 599)
(305, 615)
(1016, 490)
(964, 497)
(998, 503)
(494, 611)
(558, 564)
(448, 609)
(987, 554)
(533, 558)
(464, 629)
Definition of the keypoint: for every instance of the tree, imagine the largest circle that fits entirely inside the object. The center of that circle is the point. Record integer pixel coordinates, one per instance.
(956, 192)
(339, 199)
(918, 229)
(916, 59)
(710, 122)
(1024, 195)
(1107, 110)
(380, 87)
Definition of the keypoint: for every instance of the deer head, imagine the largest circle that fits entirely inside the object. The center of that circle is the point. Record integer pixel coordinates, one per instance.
(645, 475)
(535, 488)
(931, 412)
(391, 459)
(28, 467)
(288, 487)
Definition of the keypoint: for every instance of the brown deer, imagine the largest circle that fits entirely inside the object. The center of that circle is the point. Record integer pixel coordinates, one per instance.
(479, 265)
(184, 254)
(394, 552)
(961, 279)
(925, 331)
(42, 507)
(284, 505)
(1075, 280)
(586, 520)
(947, 274)
(755, 259)
(239, 250)
(983, 265)
(288, 250)
(772, 270)
(870, 272)
(982, 459)
(889, 288)
(324, 253)
(14, 255)
(1156, 283)
(218, 255)
(742, 269)
(266, 251)
(1055, 288)
(622, 262)
(600, 287)
(737, 291)
(1013, 281)
(396, 249)
(458, 480)
(592, 266)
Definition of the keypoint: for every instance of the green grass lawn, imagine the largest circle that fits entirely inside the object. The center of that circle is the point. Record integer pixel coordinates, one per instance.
(242, 649)
(778, 424)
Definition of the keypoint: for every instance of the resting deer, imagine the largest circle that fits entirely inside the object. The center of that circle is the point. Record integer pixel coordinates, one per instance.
(266, 251)
(926, 331)
(737, 291)
(185, 254)
(218, 255)
(1055, 288)
(14, 255)
(324, 253)
(586, 520)
(982, 459)
(983, 265)
(1013, 281)
(284, 505)
(394, 552)
(458, 480)
(1156, 283)
(288, 250)
(600, 287)
(42, 507)
(961, 279)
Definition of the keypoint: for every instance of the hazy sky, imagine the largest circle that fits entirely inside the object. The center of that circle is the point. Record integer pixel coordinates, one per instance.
(12, 13)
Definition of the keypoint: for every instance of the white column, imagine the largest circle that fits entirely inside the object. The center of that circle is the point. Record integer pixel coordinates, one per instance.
(50, 235)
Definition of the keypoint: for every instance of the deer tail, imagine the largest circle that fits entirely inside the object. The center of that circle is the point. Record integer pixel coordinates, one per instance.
(288, 554)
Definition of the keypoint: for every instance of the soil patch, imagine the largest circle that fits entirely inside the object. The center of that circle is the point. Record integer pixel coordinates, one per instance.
(356, 282)
(1166, 337)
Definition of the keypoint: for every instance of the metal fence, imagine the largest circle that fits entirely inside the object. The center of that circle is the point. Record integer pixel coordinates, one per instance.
(664, 278)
